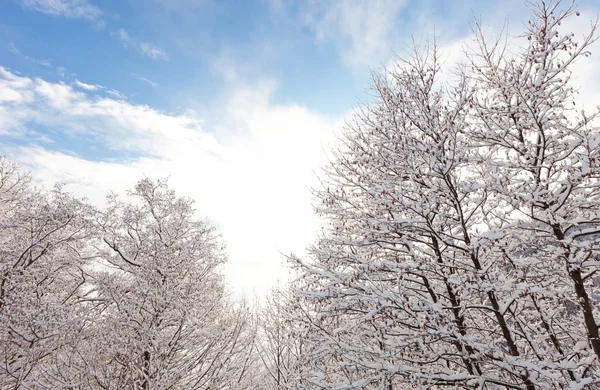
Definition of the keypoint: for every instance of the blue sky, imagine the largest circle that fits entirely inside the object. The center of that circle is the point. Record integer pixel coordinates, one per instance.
(180, 46)
(320, 52)
(236, 101)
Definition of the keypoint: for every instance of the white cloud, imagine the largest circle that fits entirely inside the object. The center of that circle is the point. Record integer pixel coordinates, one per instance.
(363, 31)
(87, 87)
(146, 80)
(73, 9)
(57, 96)
(117, 124)
(14, 89)
(147, 49)
(252, 182)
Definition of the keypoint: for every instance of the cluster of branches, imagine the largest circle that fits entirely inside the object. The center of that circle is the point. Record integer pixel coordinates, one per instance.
(460, 250)
(462, 226)
(128, 297)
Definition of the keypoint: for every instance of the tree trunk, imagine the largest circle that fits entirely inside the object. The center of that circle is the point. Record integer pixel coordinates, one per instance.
(146, 371)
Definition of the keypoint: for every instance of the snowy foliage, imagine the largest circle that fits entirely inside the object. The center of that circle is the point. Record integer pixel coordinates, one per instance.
(130, 297)
(461, 227)
(280, 343)
(42, 259)
(460, 250)
(162, 318)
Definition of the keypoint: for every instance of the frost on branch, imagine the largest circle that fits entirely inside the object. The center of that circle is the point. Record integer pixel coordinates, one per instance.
(462, 226)
(42, 271)
(130, 297)
(165, 319)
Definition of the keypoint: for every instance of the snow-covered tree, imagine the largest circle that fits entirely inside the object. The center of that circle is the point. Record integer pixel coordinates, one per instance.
(461, 227)
(42, 272)
(165, 321)
(279, 342)
(540, 150)
(127, 297)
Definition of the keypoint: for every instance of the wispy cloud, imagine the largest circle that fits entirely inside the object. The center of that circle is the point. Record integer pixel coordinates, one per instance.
(82, 9)
(116, 94)
(368, 33)
(87, 87)
(362, 31)
(72, 9)
(144, 79)
(152, 51)
(147, 49)
(79, 112)
(13, 49)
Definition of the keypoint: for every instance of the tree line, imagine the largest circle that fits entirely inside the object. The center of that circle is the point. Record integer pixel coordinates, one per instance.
(459, 250)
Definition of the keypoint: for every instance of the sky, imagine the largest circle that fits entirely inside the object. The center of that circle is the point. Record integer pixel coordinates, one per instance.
(238, 102)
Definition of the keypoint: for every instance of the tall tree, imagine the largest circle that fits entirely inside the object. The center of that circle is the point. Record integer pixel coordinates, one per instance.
(445, 259)
(42, 272)
(541, 154)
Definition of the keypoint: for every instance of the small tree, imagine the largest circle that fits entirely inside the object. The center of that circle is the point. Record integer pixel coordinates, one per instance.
(165, 322)
(279, 345)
